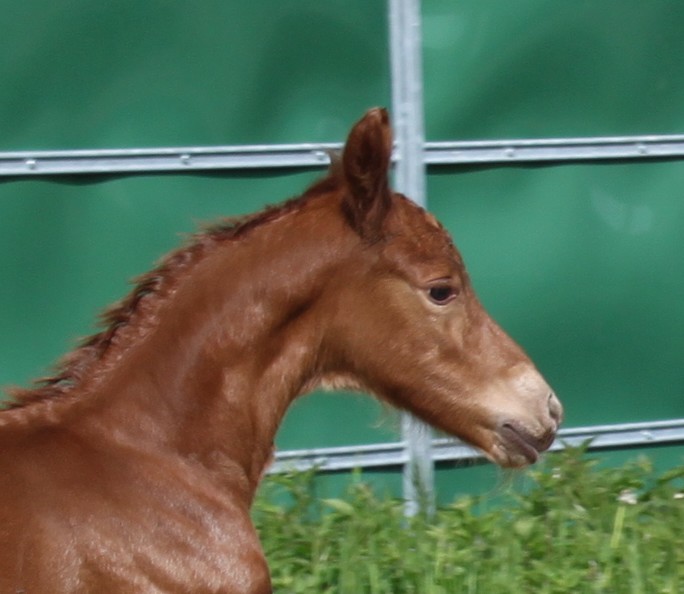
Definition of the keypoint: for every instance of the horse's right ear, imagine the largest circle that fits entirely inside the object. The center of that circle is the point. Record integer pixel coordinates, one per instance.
(365, 164)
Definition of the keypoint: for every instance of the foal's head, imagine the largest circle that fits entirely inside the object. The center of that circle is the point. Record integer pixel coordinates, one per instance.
(409, 327)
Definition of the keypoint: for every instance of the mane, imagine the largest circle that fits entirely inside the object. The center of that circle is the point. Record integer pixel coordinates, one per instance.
(149, 292)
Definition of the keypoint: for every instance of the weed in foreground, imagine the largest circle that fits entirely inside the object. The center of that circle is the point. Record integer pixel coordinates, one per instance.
(575, 528)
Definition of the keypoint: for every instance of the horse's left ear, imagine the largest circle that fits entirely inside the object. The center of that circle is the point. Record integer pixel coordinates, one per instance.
(365, 163)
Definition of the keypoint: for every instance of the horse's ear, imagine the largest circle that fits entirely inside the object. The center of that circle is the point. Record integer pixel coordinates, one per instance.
(365, 164)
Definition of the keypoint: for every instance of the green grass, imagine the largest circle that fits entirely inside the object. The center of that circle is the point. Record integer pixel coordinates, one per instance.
(573, 528)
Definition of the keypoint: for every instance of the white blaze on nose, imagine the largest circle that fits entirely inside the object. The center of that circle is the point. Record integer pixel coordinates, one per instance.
(526, 413)
(525, 393)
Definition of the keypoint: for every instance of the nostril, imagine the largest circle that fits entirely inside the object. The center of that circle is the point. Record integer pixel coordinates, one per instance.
(555, 409)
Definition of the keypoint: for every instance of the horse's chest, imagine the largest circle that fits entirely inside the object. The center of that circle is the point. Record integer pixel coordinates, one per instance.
(170, 554)
(150, 533)
(179, 544)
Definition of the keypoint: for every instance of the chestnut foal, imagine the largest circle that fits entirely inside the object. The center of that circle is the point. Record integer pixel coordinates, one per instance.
(133, 468)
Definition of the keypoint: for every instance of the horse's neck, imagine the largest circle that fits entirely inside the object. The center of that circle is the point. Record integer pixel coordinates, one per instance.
(230, 350)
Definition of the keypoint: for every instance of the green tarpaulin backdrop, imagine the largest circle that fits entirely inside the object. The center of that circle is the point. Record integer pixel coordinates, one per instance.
(581, 263)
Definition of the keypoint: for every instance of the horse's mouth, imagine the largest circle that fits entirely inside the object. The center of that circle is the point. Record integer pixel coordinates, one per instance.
(521, 446)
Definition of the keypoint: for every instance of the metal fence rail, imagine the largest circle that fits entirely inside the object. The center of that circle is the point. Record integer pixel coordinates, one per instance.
(394, 455)
(311, 155)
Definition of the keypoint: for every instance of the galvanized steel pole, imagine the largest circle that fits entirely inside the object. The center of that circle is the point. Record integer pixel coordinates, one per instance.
(407, 110)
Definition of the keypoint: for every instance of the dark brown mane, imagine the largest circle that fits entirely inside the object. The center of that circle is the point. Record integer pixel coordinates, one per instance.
(149, 291)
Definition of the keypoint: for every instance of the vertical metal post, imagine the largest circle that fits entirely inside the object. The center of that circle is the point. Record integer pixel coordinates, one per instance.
(407, 110)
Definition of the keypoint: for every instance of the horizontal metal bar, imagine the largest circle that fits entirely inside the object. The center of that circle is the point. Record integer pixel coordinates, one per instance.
(555, 149)
(308, 155)
(37, 163)
(394, 455)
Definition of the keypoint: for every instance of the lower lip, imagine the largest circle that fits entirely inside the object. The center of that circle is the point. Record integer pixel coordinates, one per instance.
(511, 436)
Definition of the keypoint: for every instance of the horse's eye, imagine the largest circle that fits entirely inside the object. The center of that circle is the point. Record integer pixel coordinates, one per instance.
(441, 294)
